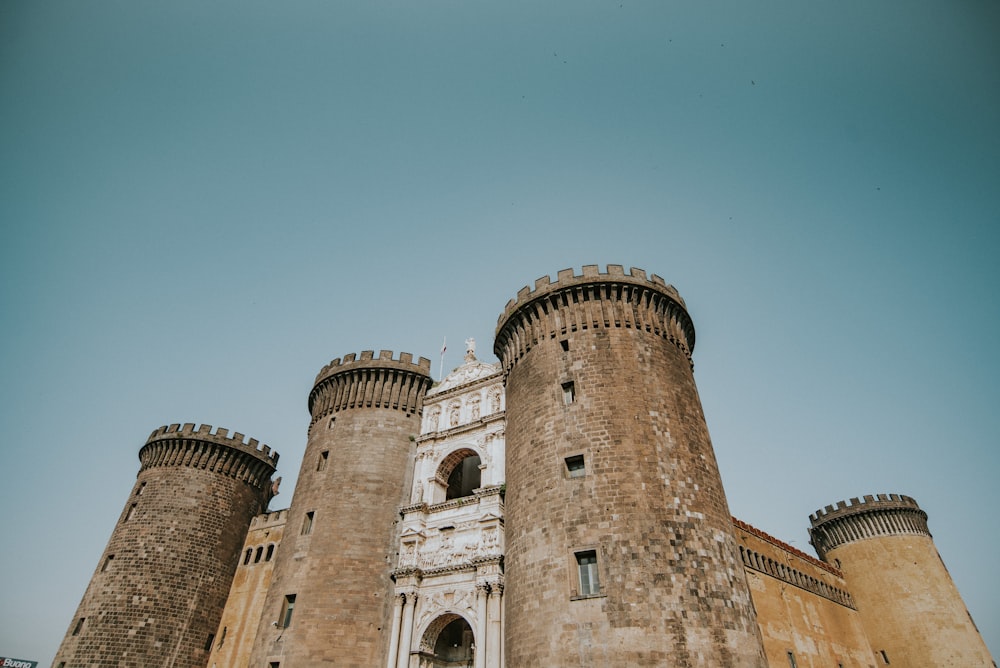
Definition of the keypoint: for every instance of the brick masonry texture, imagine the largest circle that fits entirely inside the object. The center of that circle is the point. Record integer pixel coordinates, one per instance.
(161, 585)
(905, 596)
(234, 639)
(802, 605)
(365, 416)
(651, 503)
(597, 366)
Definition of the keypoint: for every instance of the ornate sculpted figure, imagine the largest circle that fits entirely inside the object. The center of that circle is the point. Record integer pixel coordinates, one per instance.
(453, 415)
(433, 419)
(474, 407)
(495, 400)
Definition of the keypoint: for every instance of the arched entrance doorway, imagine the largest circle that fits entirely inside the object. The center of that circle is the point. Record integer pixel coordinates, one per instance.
(448, 643)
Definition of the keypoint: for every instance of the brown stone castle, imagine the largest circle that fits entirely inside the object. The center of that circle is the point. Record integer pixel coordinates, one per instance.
(560, 508)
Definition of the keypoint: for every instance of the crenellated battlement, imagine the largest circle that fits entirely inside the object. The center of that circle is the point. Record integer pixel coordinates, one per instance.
(269, 520)
(367, 358)
(588, 274)
(871, 516)
(869, 502)
(221, 436)
(592, 299)
(212, 449)
(367, 381)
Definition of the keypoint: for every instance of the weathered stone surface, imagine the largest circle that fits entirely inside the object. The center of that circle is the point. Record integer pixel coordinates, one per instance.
(365, 417)
(650, 505)
(159, 590)
(908, 603)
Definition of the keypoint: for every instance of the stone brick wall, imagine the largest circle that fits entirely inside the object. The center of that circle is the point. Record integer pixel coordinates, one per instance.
(245, 605)
(803, 606)
(354, 477)
(649, 503)
(159, 590)
(909, 605)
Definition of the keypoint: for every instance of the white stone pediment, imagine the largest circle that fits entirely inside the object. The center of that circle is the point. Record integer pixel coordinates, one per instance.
(465, 374)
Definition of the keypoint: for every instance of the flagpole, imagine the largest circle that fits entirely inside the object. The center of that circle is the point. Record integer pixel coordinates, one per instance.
(444, 347)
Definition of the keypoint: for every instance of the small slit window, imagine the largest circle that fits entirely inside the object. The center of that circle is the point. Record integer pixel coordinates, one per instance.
(586, 563)
(885, 657)
(257, 556)
(307, 523)
(791, 660)
(323, 457)
(286, 611)
(565, 345)
(208, 643)
(130, 513)
(569, 392)
(79, 626)
(575, 466)
(246, 559)
(270, 552)
(107, 562)
(142, 486)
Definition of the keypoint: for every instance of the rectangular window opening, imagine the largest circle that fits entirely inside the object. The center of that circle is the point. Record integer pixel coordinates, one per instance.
(142, 486)
(270, 552)
(569, 392)
(575, 466)
(130, 513)
(586, 563)
(79, 626)
(565, 345)
(208, 643)
(307, 523)
(286, 611)
(107, 562)
(274, 664)
(323, 457)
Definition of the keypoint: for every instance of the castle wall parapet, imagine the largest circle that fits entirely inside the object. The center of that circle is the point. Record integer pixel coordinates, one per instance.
(206, 447)
(797, 577)
(777, 542)
(870, 517)
(370, 382)
(592, 300)
(270, 519)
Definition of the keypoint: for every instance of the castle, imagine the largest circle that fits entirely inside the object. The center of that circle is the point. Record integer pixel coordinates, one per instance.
(560, 508)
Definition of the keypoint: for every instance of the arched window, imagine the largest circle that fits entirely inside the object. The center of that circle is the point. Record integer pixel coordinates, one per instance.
(464, 478)
(459, 473)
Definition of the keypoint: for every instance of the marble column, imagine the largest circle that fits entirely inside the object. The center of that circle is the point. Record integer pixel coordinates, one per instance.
(397, 613)
(493, 636)
(406, 631)
(482, 593)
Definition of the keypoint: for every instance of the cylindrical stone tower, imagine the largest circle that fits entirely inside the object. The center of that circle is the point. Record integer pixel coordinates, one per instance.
(620, 547)
(910, 608)
(331, 595)
(158, 592)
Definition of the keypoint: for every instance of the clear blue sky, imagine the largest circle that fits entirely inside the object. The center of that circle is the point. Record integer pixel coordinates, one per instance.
(203, 203)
